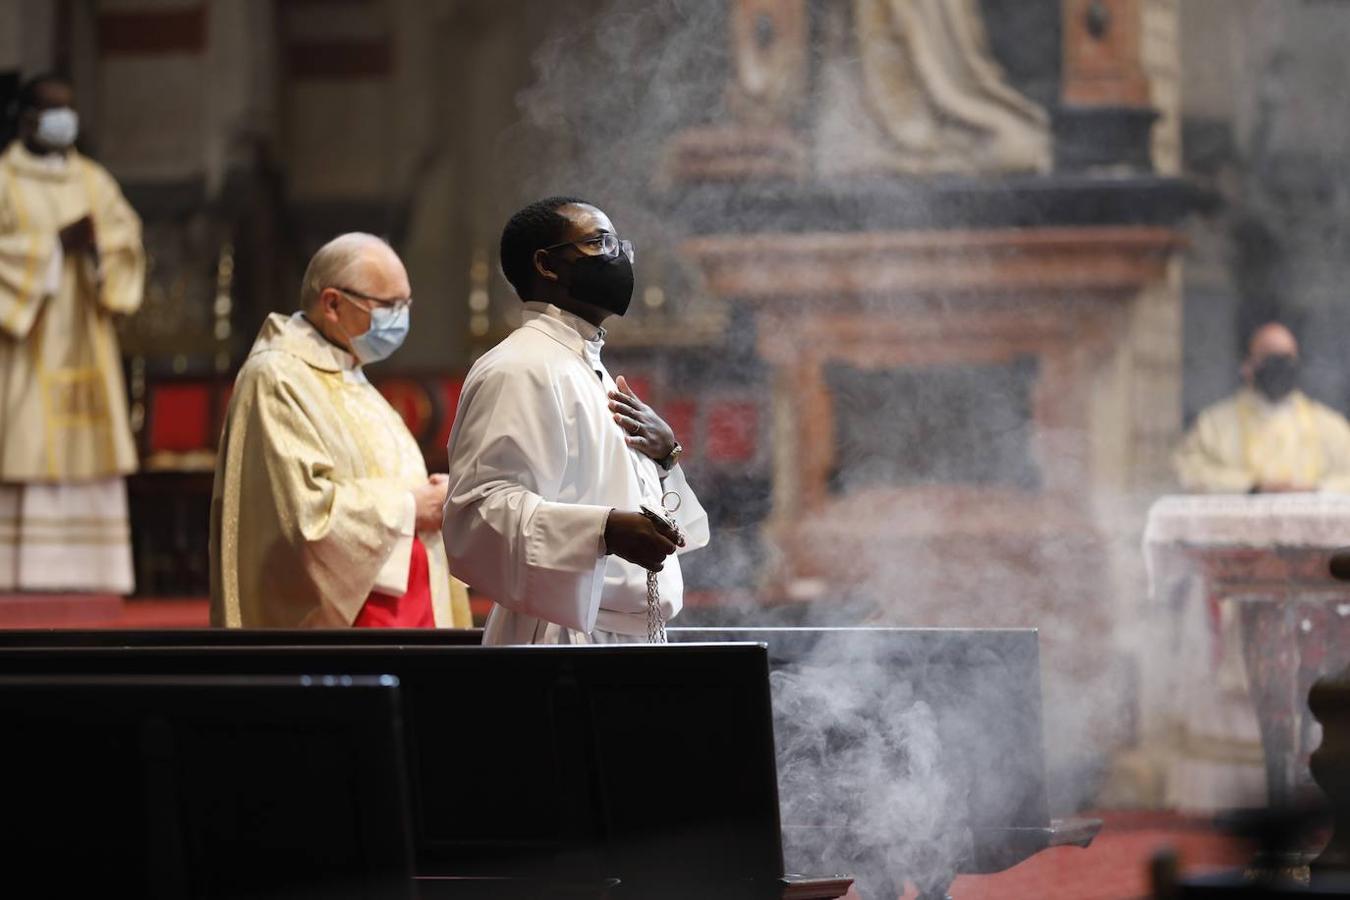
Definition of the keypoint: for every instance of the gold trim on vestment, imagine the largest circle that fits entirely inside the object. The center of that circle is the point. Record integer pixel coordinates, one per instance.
(1313, 468)
(337, 386)
(45, 393)
(101, 362)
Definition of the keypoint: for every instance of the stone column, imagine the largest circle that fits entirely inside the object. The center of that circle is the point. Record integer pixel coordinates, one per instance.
(151, 112)
(11, 42)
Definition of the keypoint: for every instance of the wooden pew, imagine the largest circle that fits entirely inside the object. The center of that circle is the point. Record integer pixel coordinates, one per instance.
(562, 764)
(209, 787)
(989, 676)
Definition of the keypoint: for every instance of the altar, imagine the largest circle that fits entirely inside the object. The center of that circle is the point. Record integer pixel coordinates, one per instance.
(1244, 618)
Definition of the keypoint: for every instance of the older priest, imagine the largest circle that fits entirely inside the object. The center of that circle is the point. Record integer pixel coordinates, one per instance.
(322, 513)
(70, 260)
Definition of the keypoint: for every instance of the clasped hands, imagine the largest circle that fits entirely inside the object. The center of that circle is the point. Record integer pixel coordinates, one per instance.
(429, 499)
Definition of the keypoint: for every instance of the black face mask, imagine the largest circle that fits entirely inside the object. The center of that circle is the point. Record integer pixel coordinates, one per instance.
(1276, 376)
(603, 282)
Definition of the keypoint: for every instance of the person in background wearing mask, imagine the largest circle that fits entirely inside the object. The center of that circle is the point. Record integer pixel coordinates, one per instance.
(1270, 437)
(71, 261)
(322, 514)
(551, 459)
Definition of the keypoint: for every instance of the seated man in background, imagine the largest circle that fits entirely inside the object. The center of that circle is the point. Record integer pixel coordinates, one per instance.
(1269, 437)
(322, 514)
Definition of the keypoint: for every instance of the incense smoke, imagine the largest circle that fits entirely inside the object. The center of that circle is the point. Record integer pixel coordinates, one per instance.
(860, 744)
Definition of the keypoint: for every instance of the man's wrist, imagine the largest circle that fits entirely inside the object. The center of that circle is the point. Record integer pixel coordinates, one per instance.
(672, 458)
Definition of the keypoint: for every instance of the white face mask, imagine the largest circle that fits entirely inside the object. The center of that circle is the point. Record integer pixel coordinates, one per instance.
(58, 128)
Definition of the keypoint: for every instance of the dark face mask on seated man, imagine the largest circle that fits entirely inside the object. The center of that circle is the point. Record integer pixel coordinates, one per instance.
(1276, 376)
(606, 282)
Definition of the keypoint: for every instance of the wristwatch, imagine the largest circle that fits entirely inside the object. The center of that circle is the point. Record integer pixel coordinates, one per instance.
(669, 462)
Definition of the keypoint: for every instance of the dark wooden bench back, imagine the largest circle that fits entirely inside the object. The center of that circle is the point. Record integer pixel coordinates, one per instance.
(653, 765)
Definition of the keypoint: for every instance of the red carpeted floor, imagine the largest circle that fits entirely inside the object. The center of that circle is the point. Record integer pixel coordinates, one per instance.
(97, 611)
(1115, 867)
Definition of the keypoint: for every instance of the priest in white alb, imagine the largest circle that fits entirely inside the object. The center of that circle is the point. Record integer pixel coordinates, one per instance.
(71, 262)
(552, 460)
(322, 513)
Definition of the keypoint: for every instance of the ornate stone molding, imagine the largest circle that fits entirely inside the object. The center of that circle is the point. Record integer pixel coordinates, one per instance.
(842, 269)
(736, 153)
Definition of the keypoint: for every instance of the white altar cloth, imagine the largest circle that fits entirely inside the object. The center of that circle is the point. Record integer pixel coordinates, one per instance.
(1195, 696)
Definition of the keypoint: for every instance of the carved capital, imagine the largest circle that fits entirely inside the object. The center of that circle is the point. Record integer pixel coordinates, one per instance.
(1103, 54)
(768, 60)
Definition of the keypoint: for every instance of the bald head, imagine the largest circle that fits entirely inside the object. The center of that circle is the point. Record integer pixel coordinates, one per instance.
(1271, 339)
(357, 261)
(348, 278)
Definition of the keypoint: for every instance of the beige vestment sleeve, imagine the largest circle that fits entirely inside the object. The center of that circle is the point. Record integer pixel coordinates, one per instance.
(1335, 435)
(1202, 466)
(121, 256)
(25, 258)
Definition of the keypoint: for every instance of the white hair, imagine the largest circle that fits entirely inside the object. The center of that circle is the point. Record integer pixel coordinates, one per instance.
(332, 264)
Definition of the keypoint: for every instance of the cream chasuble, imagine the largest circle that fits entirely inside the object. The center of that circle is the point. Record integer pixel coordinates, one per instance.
(65, 442)
(63, 406)
(1247, 440)
(536, 464)
(312, 507)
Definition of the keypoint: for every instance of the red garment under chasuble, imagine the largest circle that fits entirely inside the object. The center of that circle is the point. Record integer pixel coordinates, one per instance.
(412, 610)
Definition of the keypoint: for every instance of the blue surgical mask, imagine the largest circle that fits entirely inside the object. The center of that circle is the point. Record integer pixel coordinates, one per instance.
(57, 128)
(388, 329)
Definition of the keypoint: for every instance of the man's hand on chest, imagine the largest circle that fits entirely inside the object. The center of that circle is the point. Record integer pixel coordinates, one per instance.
(646, 431)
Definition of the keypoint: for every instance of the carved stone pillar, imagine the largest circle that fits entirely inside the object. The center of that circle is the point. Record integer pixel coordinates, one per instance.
(1105, 117)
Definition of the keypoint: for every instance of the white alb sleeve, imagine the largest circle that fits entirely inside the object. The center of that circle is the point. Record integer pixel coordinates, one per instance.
(393, 575)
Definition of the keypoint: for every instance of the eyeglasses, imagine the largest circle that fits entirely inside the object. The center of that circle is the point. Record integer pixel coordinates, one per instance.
(607, 243)
(398, 304)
